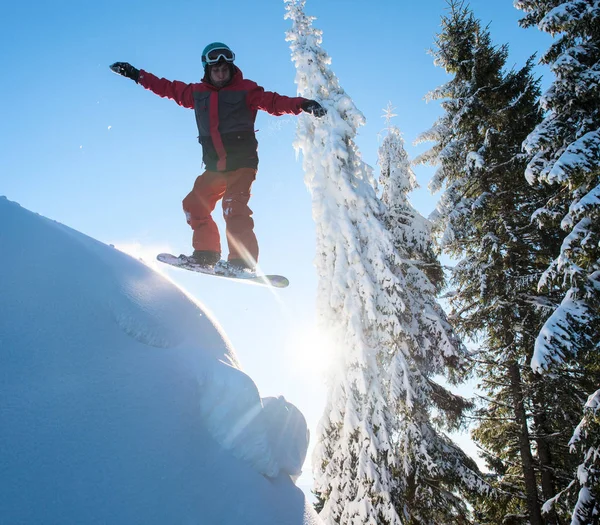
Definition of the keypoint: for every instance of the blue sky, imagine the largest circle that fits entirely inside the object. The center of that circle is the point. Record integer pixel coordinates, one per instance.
(88, 148)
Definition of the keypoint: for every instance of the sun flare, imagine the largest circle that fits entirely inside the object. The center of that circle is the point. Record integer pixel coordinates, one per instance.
(311, 348)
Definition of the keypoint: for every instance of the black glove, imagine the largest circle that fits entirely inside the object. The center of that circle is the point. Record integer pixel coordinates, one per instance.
(126, 70)
(313, 107)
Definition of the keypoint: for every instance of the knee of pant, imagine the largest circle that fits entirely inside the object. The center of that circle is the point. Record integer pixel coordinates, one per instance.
(202, 224)
(239, 223)
(234, 208)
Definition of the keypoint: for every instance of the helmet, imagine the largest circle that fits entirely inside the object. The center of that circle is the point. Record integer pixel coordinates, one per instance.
(228, 55)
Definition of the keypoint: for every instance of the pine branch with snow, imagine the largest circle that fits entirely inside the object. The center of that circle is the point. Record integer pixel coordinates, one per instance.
(586, 441)
(565, 148)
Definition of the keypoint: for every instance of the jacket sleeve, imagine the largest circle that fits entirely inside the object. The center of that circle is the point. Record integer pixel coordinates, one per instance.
(272, 102)
(178, 91)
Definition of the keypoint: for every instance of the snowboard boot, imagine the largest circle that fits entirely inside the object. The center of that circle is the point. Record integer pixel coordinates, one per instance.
(205, 257)
(234, 267)
(240, 265)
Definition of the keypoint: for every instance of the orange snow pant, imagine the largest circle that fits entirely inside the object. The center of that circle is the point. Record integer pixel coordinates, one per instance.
(234, 188)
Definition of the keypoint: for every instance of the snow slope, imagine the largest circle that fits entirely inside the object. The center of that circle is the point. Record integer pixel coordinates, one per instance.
(122, 402)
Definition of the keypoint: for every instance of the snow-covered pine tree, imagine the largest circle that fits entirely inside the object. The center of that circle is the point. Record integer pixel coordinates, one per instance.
(353, 455)
(586, 440)
(484, 221)
(410, 230)
(438, 494)
(362, 297)
(566, 154)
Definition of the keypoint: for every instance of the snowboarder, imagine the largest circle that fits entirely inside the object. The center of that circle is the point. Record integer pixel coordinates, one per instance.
(225, 105)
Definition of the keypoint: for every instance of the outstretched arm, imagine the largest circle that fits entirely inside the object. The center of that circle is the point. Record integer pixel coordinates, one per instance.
(178, 91)
(272, 102)
(276, 104)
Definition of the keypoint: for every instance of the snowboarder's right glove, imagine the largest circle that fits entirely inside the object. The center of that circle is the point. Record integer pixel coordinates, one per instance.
(126, 70)
(313, 107)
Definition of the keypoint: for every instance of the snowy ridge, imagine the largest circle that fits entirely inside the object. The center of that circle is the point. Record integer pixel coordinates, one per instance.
(116, 388)
(256, 431)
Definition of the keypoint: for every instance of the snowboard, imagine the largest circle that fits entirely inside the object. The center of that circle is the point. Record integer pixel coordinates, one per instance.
(187, 263)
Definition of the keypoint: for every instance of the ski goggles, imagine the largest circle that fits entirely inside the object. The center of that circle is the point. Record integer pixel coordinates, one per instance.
(214, 55)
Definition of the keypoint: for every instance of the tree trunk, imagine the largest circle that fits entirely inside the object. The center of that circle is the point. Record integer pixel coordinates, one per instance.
(533, 506)
(544, 452)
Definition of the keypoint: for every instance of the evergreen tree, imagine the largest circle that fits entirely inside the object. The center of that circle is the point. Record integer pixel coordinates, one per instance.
(484, 220)
(376, 399)
(435, 490)
(586, 440)
(566, 154)
(410, 230)
(353, 456)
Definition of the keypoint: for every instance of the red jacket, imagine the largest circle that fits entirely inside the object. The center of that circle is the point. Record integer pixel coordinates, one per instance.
(225, 116)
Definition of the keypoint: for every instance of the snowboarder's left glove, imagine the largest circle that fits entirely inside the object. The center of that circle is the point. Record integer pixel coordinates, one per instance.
(313, 107)
(126, 70)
